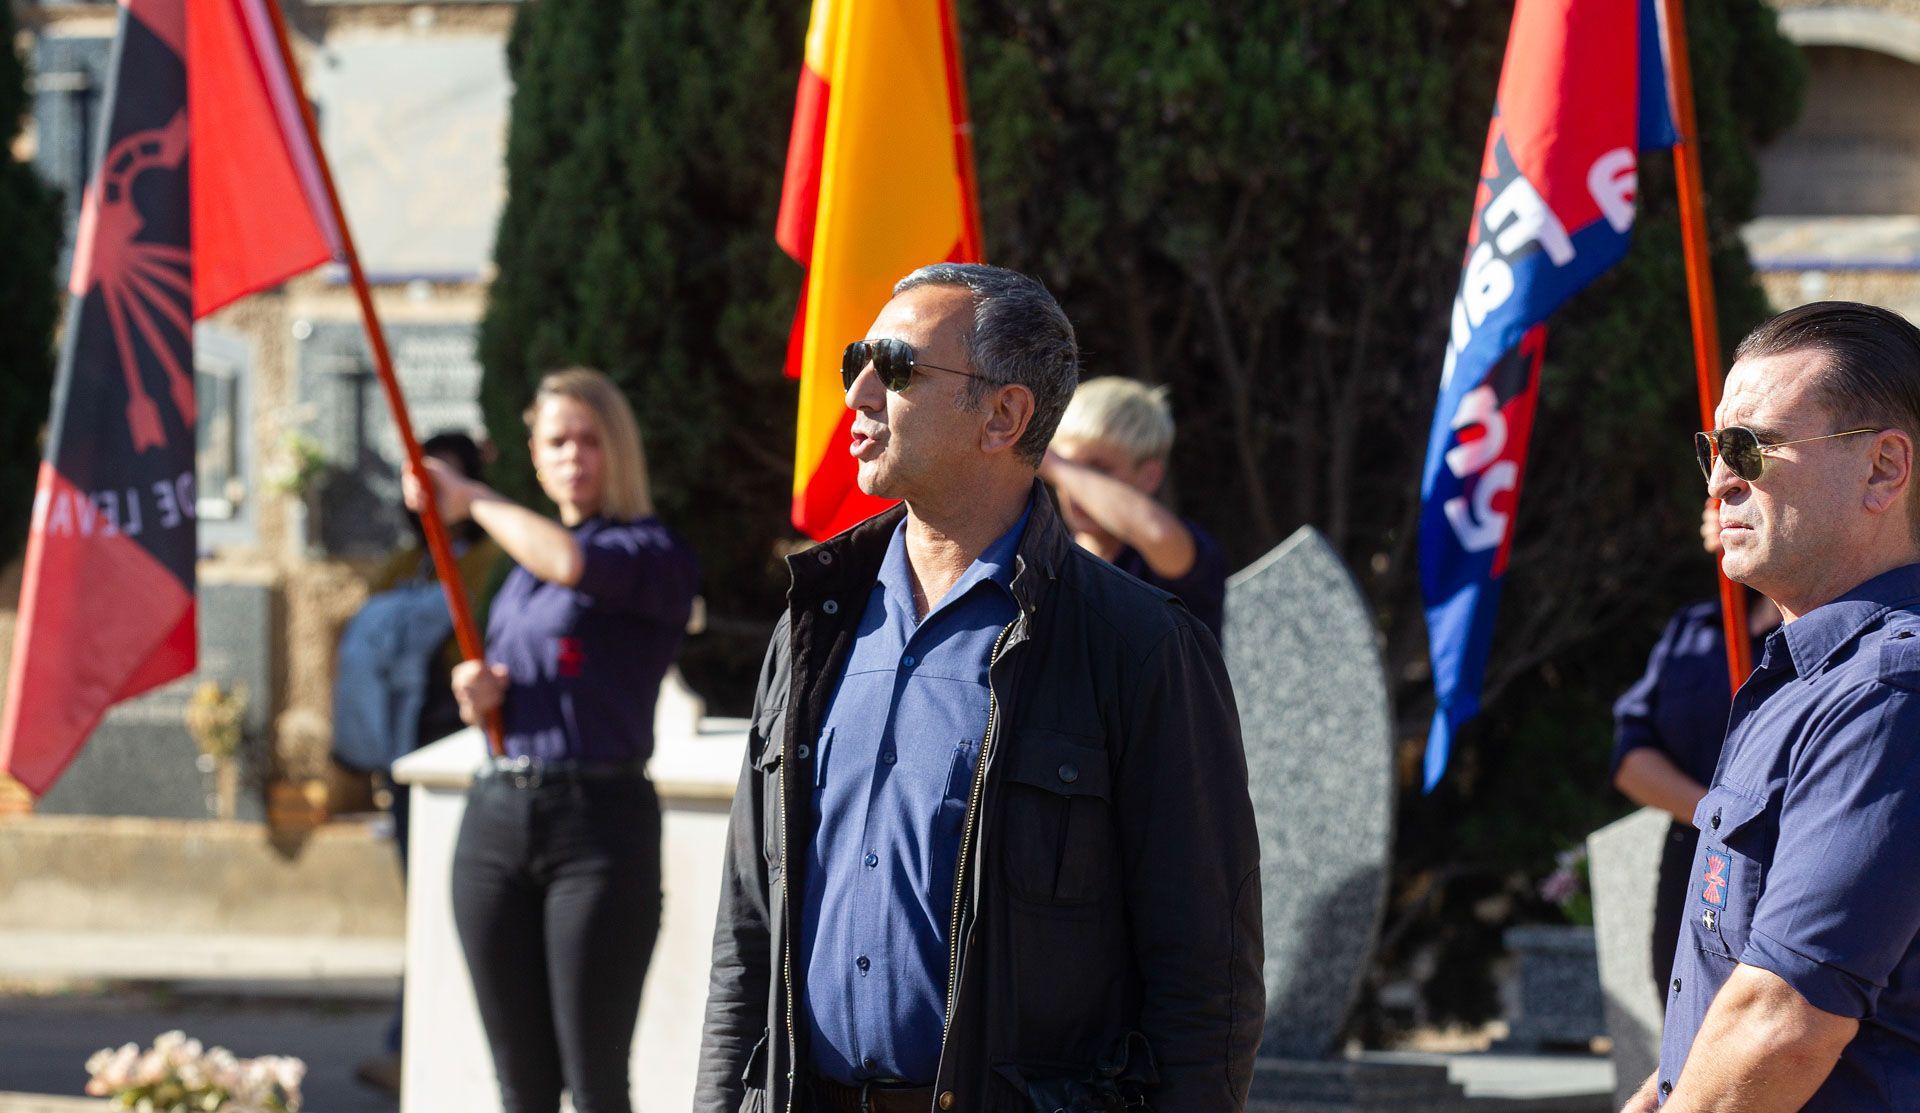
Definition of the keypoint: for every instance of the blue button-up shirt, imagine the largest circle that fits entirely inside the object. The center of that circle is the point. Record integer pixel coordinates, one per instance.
(892, 770)
(1810, 842)
(1680, 705)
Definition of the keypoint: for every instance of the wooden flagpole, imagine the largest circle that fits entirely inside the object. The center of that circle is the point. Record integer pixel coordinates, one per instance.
(1706, 323)
(438, 544)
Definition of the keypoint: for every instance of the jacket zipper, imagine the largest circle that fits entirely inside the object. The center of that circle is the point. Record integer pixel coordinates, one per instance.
(786, 934)
(966, 831)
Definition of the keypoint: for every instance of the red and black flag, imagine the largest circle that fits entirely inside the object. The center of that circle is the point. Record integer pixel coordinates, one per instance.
(205, 189)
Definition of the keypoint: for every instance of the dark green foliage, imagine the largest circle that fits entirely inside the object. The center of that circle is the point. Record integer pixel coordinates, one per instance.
(30, 212)
(1263, 205)
(643, 173)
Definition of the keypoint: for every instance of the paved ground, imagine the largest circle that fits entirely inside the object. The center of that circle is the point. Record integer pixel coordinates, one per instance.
(45, 1039)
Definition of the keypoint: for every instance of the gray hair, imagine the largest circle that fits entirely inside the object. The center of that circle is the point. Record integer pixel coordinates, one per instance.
(1020, 335)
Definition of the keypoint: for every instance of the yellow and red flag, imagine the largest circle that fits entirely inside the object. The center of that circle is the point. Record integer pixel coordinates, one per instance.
(879, 181)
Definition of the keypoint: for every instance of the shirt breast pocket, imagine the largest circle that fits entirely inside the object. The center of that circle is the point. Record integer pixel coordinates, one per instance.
(1056, 836)
(1724, 888)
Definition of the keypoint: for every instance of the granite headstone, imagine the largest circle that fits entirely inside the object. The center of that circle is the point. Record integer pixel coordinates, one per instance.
(1624, 864)
(1301, 648)
(439, 373)
(140, 759)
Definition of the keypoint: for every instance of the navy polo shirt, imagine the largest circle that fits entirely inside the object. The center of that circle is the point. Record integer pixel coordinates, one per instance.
(892, 771)
(585, 662)
(1203, 589)
(1810, 842)
(1680, 705)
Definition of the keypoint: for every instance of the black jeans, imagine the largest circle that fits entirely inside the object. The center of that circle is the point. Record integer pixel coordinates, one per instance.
(556, 896)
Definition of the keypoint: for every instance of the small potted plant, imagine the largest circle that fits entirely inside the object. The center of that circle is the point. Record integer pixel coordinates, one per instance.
(178, 1075)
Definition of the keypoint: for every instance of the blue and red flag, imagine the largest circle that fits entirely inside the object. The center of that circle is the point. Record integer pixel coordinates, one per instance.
(1582, 92)
(206, 188)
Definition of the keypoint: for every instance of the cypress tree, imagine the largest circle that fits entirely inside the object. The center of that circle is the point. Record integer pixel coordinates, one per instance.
(644, 162)
(30, 211)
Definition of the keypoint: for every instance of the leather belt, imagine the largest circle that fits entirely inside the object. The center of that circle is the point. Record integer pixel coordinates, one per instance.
(527, 772)
(873, 1097)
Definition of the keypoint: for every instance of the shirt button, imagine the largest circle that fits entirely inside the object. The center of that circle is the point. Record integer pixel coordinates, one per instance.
(1069, 773)
(1676, 985)
(888, 757)
(946, 1099)
(1715, 821)
(863, 963)
(869, 1063)
(831, 606)
(872, 860)
(908, 661)
(1665, 1088)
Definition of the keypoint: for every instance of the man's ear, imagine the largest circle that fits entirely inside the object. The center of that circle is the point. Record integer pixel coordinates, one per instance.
(1892, 471)
(1009, 412)
(1150, 475)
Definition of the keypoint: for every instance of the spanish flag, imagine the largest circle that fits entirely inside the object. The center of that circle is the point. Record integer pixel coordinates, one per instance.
(879, 181)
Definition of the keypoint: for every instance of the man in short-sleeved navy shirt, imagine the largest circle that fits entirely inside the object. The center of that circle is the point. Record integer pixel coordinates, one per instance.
(1107, 463)
(1796, 983)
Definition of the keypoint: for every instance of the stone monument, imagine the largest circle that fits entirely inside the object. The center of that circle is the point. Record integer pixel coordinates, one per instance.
(1624, 859)
(1302, 651)
(141, 761)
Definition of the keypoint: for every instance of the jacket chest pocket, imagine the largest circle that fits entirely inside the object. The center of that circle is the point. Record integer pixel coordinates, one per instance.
(765, 741)
(1724, 887)
(1056, 830)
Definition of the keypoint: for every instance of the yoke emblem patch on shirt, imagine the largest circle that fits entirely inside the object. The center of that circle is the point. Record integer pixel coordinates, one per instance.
(1715, 891)
(571, 657)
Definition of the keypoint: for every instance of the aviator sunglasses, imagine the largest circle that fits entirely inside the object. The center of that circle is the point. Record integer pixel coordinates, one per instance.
(893, 361)
(1746, 457)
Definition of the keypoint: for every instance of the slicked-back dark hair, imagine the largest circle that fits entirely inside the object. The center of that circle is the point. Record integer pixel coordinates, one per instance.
(1870, 370)
(1869, 375)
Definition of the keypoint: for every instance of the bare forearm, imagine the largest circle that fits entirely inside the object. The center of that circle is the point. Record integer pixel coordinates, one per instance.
(1646, 1099)
(1650, 778)
(536, 542)
(1132, 516)
(1762, 1049)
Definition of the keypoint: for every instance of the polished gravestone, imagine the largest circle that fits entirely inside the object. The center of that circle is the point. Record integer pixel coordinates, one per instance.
(140, 759)
(1301, 647)
(1624, 859)
(358, 505)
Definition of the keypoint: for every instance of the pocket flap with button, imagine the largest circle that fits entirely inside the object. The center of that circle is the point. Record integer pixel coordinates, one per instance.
(768, 731)
(1725, 810)
(1061, 763)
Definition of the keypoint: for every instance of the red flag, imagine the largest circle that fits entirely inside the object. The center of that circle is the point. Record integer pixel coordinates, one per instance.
(206, 189)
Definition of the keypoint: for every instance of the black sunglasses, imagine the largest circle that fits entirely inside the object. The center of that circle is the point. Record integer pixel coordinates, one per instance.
(1746, 457)
(893, 361)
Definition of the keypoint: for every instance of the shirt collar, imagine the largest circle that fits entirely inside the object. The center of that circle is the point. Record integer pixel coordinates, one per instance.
(995, 564)
(1823, 631)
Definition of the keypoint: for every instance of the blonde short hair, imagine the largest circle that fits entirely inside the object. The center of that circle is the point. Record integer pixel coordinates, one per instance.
(625, 494)
(1125, 413)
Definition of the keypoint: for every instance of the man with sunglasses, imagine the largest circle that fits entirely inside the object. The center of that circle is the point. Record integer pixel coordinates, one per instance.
(1796, 982)
(992, 846)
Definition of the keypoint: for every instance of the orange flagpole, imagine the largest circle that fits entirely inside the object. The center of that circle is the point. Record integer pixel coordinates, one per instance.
(1706, 324)
(438, 545)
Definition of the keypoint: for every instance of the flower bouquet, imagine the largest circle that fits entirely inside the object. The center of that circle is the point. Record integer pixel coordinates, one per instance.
(176, 1075)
